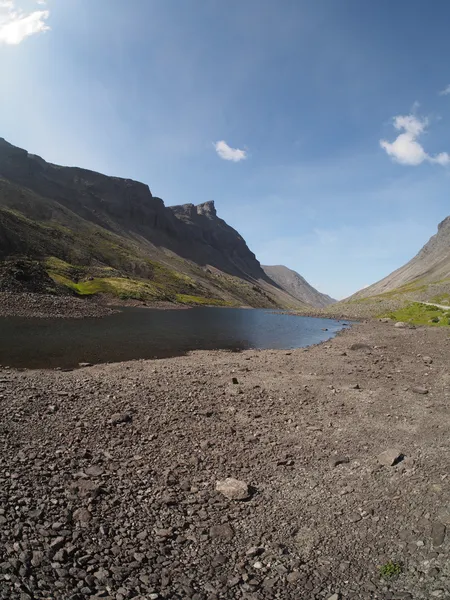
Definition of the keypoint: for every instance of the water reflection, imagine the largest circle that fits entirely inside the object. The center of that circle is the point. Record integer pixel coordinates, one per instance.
(146, 333)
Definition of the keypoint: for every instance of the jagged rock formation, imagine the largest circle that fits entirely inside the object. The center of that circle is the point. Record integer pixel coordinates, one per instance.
(94, 221)
(297, 286)
(431, 265)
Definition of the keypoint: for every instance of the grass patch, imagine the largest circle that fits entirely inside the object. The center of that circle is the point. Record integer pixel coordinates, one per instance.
(199, 301)
(421, 314)
(122, 288)
(131, 289)
(390, 570)
(441, 299)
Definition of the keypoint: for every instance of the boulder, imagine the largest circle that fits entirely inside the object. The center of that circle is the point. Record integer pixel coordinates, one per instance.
(390, 457)
(233, 489)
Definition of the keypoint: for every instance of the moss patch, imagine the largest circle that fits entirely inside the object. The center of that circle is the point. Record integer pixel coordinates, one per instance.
(199, 301)
(390, 570)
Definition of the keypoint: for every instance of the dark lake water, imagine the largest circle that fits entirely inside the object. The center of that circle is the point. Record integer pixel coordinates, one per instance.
(147, 333)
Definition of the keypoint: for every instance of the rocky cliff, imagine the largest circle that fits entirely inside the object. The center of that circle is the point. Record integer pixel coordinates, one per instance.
(84, 225)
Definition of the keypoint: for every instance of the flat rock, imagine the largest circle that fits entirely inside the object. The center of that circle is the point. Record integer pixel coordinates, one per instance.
(402, 325)
(221, 532)
(390, 457)
(95, 470)
(438, 531)
(233, 489)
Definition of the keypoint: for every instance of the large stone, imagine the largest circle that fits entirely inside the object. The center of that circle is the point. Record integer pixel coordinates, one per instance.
(233, 489)
(221, 532)
(390, 457)
(402, 325)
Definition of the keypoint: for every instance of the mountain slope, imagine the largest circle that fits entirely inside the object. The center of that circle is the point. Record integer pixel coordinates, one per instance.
(297, 286)
(430, 265)
(402, 294)
(95, 233)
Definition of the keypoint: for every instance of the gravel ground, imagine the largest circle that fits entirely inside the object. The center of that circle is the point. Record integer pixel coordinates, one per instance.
(28, 304)
(108, 474)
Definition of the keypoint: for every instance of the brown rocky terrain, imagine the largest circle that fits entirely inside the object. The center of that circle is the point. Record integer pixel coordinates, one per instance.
(108, 474)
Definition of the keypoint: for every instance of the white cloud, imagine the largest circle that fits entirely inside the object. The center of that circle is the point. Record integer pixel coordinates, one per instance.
(16, 24)
(445, 91)
(228, 153)
(405, 149)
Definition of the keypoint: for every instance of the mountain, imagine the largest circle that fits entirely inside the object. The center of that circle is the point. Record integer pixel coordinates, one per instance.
(95, 233)
(402, 294)
(295, 285)
(430, 266)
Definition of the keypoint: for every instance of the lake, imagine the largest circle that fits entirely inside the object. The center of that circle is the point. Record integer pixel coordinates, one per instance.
(137, 333)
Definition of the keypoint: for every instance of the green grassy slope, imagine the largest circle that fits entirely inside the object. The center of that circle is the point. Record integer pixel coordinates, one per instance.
(89, 259)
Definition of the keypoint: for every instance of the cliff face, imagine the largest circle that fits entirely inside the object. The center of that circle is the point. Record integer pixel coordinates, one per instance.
(93, 220)
(127, 207)
(430, 265)
(297, 286)
(223, 246)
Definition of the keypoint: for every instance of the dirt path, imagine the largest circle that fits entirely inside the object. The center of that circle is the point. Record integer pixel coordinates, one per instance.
(443, 306)
(108, 474)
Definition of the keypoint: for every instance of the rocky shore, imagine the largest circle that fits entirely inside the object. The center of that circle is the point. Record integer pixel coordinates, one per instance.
(108, 474)
(26, 304)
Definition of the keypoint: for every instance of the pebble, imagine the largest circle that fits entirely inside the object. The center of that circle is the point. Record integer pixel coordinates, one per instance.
(339, 460)
(118, 418)
(420, 390)
(438, 531)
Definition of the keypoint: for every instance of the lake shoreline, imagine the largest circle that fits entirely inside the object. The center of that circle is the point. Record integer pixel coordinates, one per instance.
(133, 333)
(121, 497)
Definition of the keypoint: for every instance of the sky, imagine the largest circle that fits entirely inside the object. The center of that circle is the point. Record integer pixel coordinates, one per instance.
(320, 129)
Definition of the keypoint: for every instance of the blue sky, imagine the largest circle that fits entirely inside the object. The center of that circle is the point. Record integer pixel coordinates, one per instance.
(321, 129)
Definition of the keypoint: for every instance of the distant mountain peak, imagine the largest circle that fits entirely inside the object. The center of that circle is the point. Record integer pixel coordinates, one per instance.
(297, 286)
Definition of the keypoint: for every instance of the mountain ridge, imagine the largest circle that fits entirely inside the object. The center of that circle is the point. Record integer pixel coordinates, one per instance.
(84, 226)
(430, 265)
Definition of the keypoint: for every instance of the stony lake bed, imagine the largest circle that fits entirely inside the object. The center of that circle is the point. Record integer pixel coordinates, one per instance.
(108, 474)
